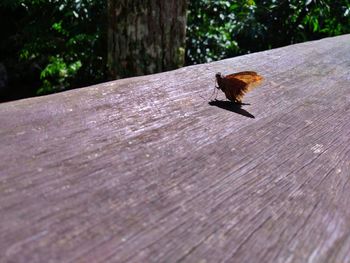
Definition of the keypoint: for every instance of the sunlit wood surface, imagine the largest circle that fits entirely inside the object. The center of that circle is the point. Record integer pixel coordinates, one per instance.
(145, 170)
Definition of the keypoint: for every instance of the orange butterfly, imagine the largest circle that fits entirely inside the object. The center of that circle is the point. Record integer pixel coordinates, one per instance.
(236, 85)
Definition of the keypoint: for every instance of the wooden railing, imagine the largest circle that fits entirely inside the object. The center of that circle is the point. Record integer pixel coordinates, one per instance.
(146, 170)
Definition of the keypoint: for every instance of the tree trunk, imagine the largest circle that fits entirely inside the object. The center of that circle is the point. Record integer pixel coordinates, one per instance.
(145, 36)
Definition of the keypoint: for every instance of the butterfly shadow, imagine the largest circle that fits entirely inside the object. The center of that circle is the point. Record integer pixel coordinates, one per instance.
(232, 106)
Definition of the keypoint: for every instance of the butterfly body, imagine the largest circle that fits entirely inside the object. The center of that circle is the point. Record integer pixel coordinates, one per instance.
(236, 85)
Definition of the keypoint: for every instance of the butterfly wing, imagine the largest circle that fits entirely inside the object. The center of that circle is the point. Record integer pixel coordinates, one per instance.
(244, 73)
(249, 77)
(233, 88)
(238, 84)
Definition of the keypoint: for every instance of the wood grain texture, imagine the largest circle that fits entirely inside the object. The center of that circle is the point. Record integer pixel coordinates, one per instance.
(145, 170)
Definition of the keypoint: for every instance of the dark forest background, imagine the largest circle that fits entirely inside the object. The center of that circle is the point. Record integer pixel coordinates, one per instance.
(49, 46)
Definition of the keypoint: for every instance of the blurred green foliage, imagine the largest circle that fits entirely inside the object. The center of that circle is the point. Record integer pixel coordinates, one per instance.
(52, 45)
(221, 29)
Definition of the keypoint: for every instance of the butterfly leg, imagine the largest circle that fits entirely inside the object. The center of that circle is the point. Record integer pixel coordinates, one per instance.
(236, 101)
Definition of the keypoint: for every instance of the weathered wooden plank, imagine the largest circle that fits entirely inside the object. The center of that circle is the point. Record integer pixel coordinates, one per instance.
(145, 170)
